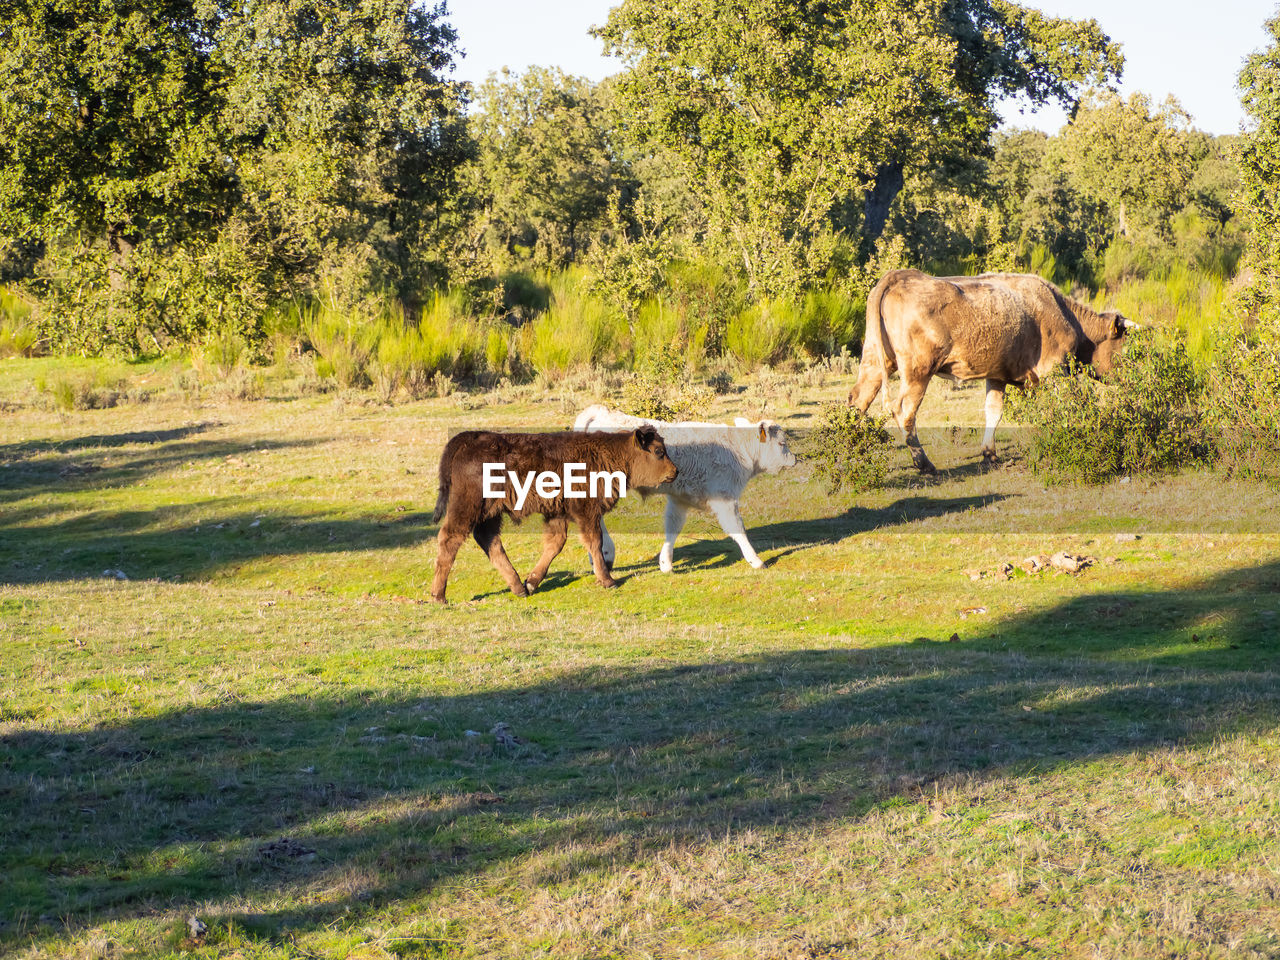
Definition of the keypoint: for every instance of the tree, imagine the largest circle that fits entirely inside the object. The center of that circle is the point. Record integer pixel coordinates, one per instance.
(1259, 159)
(1134, 161)
(185, 162)
(783, 110)
(544, 171)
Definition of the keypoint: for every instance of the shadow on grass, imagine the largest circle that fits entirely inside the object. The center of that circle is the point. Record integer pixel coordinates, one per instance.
(791, 536)
(393, 796)
(88, 463)
(189, 541)
(173, 542)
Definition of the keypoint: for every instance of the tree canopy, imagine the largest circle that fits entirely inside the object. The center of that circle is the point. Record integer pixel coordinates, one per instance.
(784, 110)
(206, 156)
(1259, 157)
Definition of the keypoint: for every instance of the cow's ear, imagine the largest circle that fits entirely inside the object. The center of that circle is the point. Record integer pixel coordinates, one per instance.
(645, 436)
(1119, 325)
(763, 433)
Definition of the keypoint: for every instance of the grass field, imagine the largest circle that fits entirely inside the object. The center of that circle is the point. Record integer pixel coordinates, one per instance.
(859, 751)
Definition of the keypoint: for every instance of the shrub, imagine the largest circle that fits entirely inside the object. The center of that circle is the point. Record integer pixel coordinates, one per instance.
(829, 321)
(1244, 403)
(1144, 419)
(850, 449)
(704, 289)
(577, 330)
(662, 324)
(660, 390)
(219, 356)
(762, 333)
(444, 342)
(18, 335)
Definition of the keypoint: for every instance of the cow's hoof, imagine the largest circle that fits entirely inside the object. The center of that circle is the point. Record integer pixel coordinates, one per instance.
(609, 583)
(990, 456)
(440, 599)
(666, 566)
(756, 564)
(927, 469)
(530, 586)
(520, 591)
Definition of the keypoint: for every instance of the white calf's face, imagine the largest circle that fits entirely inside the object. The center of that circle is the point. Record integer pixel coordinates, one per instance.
(772, 452)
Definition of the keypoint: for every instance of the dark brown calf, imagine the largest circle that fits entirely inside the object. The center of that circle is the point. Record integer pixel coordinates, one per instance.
(639, 455)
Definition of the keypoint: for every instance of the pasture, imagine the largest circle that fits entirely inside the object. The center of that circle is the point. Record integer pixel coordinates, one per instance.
(859, 751)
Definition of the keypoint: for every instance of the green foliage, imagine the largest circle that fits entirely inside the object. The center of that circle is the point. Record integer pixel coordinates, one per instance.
(184, 165)
(628, 266)
(18, 335)
(778, 154)
(543, 171)
(661, 388)
(577, 330)
(1134, 162)
(1144, 419)
(819, 323)
(829, 321)
(763, 333)
(1259, 160)
(849, 449)
(394, 353)
(1194, 303)
(1244, 402)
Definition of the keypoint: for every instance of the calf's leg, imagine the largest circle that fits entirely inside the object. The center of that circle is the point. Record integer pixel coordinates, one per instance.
(448, 541)
(994, 411)
(608, 548)
(730, 518)
(589, 530)
(672, 523)
(487, 534)
(553, 538)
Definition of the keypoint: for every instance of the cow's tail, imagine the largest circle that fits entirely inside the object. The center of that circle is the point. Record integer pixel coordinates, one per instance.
(874, 352)
(442, 497)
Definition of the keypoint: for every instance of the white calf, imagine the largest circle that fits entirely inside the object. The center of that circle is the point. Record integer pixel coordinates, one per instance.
(714, 460)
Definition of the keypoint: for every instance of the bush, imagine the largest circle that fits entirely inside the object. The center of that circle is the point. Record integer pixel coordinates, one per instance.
(663, 325)
(762, 333)
(850, 449)
(1145, 419)
(577, 330)
(1244, 404)
(829, 321)
(18, 335)
(659, 388)
(343, 345)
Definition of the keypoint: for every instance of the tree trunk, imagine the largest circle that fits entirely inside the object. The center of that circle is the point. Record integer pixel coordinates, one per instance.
(120, 247)
(875, 207)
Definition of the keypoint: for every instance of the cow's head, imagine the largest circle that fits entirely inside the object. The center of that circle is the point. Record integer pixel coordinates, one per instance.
(769, 445)
(1104, 352)
(650, 466)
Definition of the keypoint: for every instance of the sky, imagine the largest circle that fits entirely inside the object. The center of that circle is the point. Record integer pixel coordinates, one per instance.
(1192, 49)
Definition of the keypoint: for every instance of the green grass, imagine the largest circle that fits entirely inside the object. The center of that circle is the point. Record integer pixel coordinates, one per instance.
(795, 762)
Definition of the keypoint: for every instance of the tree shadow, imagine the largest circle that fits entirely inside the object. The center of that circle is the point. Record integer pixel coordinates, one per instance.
(187, 541)
(26, 448)
(793, 536)
(166, 542)
(61, 467)
(394, 796)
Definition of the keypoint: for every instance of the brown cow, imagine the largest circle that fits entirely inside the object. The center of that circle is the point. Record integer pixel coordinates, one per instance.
(1004, 327)
(473, 501)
